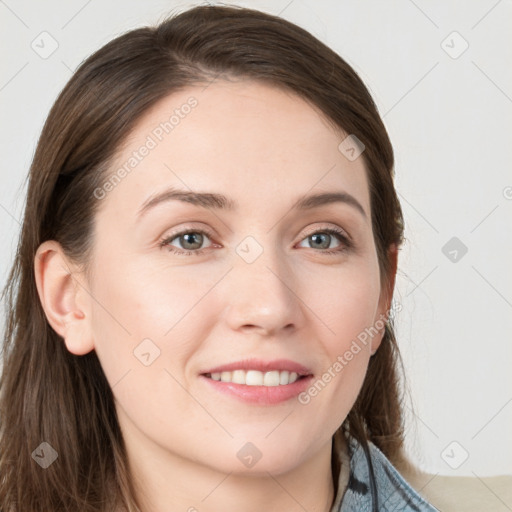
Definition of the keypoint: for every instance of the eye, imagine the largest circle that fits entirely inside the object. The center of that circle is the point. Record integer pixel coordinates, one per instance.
(190, 240)
(323, 239)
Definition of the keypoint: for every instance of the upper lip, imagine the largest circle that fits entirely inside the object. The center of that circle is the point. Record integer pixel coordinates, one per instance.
(262, 366)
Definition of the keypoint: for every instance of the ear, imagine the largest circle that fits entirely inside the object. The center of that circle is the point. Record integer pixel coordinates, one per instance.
(385, 299)
(63, 297)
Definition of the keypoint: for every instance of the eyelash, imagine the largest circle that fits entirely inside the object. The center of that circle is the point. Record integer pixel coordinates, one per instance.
(340, 234)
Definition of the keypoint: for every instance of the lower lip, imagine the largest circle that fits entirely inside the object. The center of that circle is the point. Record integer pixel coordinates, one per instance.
(262, 395)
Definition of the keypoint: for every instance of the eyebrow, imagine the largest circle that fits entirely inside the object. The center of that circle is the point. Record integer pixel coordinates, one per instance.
(215, 201)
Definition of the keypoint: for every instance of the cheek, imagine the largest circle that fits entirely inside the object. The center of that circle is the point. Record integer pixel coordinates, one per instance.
(148, 322)
(345, 300)
(135, 302)
(349, 312)
(352, 313)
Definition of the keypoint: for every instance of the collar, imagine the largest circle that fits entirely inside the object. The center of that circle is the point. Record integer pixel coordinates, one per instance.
(391, 492)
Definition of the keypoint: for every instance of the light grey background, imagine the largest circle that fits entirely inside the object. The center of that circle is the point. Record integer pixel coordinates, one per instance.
(449, 115)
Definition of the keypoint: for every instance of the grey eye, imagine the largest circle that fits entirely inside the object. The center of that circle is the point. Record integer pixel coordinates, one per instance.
(191, 241)
(320, 240)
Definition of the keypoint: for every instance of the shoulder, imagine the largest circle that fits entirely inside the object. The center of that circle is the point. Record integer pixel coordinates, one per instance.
(375, 484)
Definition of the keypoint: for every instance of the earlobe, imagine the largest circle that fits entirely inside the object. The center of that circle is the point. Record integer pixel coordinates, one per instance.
(65, 303)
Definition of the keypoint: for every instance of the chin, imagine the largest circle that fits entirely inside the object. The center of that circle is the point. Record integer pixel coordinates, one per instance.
(257, 458)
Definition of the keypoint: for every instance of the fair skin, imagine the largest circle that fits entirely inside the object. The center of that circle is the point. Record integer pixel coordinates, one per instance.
(262, 148)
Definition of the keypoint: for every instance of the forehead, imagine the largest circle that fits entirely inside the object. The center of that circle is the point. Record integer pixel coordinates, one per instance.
(245, 139)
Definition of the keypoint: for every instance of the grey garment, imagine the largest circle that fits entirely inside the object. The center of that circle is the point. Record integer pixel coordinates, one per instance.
(387, 492)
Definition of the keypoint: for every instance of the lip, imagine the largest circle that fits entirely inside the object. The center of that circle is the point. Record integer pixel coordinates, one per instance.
(262, 366)
(260, 395)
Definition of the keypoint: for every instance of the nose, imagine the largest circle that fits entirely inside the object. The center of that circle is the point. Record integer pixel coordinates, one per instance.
(261, 295)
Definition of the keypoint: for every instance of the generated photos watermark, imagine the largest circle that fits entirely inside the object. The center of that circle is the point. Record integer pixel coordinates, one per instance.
(156, 136)
(343, 360)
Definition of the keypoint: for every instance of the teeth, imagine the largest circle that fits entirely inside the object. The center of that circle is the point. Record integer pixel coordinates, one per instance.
(238, 377)
(284, 377)
(256, 378)
(253, 378)
(271, 378)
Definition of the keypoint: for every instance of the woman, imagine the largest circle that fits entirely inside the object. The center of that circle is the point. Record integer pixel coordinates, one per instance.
(200, 307)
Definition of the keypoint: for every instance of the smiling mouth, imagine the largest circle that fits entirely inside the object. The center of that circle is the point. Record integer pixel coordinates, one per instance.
(256, 378)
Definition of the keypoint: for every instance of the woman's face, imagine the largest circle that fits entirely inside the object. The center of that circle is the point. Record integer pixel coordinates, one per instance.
(258, 283)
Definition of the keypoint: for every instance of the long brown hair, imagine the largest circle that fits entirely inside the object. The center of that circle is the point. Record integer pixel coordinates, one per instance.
(48, 394)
